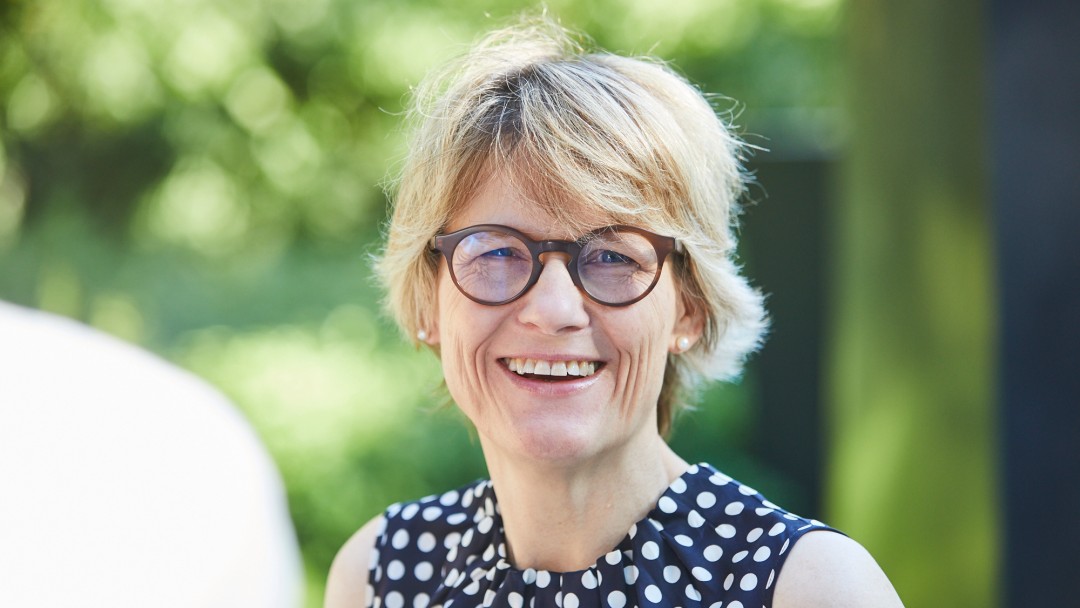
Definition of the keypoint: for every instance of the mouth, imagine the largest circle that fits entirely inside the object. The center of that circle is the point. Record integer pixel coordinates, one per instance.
(551, 371)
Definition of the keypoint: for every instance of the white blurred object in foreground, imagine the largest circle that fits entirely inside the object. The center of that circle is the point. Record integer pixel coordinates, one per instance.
(126, 482)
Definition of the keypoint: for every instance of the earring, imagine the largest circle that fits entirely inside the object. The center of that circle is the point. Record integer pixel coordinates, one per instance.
(683, 343)
(421, 335)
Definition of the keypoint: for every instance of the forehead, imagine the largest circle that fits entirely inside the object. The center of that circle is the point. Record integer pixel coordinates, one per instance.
(500, 199)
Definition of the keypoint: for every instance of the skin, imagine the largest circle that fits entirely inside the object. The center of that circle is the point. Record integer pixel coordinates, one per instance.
(574, 465)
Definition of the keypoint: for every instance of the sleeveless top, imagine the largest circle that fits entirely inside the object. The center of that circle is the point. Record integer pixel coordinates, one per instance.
(708, 542)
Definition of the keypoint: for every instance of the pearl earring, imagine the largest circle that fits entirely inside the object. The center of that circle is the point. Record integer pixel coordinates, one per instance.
(421, 335)
(683, 343)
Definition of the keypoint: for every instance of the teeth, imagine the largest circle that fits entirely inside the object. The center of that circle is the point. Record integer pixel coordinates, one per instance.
(550, 368)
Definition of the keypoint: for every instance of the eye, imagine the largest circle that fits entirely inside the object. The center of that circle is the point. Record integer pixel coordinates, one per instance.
(613, 257)
(502, 252)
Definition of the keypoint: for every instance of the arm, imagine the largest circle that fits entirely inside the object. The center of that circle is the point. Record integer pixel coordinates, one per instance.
(826, 569)
(347, 584)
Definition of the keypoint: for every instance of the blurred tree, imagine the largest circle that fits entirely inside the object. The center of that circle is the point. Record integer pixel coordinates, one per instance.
(911, 382)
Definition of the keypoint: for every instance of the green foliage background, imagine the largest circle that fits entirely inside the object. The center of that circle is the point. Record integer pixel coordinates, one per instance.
(204, 178)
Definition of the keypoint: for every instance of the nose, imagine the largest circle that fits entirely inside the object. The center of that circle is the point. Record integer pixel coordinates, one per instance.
(554, 305)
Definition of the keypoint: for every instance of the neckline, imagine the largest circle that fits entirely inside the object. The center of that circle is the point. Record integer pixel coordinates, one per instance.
(662, 510)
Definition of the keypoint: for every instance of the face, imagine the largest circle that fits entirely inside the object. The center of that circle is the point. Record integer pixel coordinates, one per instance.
(551, 418)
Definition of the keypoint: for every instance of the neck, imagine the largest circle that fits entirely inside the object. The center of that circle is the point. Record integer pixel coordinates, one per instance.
(564, 517)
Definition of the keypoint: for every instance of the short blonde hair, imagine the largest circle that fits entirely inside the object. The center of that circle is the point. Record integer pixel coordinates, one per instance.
(626, 137)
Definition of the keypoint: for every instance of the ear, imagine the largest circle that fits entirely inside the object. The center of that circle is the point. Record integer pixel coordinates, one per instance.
(689, 324)
(429, 332)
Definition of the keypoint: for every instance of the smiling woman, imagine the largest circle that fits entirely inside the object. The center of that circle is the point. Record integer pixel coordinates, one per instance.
(563, 238)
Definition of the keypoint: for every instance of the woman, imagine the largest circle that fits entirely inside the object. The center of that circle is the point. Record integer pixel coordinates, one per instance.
(563, 237)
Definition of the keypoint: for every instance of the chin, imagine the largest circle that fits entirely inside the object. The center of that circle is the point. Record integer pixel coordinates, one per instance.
(556, 443)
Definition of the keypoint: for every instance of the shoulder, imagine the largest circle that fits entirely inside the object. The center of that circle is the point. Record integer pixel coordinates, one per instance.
(347, 584)
(826, 568)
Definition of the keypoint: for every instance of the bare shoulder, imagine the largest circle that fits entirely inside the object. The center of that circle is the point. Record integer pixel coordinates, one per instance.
(830, 569)
(346, 586)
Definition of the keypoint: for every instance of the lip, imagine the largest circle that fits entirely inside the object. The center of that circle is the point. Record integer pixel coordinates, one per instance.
(545, 388)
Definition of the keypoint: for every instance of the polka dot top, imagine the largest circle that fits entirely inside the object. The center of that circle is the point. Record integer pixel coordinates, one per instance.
(709, 542)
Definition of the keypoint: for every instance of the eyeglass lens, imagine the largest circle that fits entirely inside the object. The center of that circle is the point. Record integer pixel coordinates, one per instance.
(613, 267)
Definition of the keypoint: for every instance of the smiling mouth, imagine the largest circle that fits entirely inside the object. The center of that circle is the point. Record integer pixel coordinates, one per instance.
(551, 371)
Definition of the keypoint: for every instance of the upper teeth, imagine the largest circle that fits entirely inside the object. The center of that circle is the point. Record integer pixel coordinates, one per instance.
(551, 368)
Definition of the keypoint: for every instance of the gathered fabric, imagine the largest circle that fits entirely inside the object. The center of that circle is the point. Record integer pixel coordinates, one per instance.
(709, 541)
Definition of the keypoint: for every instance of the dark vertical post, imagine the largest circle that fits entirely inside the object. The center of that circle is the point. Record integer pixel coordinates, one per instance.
(1035, 143)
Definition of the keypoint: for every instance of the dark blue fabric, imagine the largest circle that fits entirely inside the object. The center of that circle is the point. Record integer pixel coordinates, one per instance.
(709, 541)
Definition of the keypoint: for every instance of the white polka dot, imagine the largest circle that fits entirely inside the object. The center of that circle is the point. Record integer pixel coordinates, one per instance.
(678, 486)
(762, 554)
(630, 574)
(667, 505)
(726, 530)
(423, 571)
(489, 597)
(650, 550)
(409, 511)
(719, 479)
(672, 574)
(543, 577)
(762, 511)
(738, 557)
(754, 535)
(747, 491)
(400, 540)
(466, 499)
(701, 574)
(426, 542)
(748, 582)
(395, 570)
(790, 516)
(716, 605)
(467, 537)
(684, 540)
(489, 552)
(785, 546)
(558, 599)
(448, 498)
(451, 577)
(485, 525)
(735, 604)
(452, 539)
(734, 508)
(772, 577)
(652, 593)
(616, 599)
(777, 528)
(515, 600)
(633, 531)
(570, 601)
(613, 558)
(713, 553)
(692, 469)
(706, 500)
(456, 518)
(394, 600)
(472, 588)
(728, 580)
(692, 594)
(588, 580)
(659, 526)
(529, 576)
(695, 519)
(421, 600)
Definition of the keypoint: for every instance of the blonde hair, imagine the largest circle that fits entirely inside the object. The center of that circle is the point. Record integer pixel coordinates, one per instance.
(626, 137)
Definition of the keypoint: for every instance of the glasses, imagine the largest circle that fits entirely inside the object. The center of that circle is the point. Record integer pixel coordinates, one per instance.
(615, 265)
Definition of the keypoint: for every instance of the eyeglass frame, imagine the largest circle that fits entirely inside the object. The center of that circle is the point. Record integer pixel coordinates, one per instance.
(446, 244)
